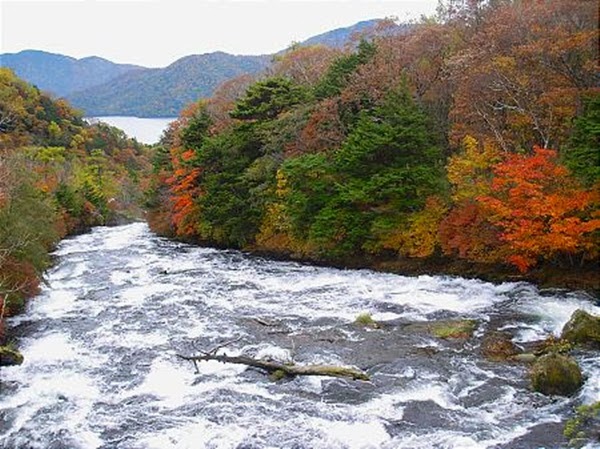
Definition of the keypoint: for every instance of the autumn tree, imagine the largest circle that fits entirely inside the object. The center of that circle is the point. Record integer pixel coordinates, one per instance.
(58, 175)
(324, 130)
(521, 77)
(470, 170)
(383, 172)
(304, 65)
(224, 98)
(336, 77)
(466, 231)
(540, 209)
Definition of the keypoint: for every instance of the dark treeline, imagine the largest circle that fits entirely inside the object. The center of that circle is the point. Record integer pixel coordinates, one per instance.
(473, 136)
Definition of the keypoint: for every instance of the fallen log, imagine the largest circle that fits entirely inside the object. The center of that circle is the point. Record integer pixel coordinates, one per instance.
(276, 369)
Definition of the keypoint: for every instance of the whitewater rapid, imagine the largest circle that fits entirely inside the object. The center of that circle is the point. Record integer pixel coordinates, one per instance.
(101, 370)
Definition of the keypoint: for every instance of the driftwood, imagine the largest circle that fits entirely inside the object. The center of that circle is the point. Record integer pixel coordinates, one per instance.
(276, 369)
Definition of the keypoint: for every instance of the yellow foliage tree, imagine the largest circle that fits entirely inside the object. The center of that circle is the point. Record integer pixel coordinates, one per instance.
(418, 235)
(470, 171)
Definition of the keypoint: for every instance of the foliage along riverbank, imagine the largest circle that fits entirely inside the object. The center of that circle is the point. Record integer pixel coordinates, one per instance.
(467, 145)
(58, 176)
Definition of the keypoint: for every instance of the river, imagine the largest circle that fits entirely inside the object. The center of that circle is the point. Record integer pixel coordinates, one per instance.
(100, 369)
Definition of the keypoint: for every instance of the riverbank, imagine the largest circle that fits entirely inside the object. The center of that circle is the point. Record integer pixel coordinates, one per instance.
(14, 302)
(584, 278)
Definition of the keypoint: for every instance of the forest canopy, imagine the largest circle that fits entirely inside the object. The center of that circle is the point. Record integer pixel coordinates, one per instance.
(472, 135)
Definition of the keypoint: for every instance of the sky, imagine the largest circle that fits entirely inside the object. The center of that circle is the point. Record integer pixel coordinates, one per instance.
(155, 33)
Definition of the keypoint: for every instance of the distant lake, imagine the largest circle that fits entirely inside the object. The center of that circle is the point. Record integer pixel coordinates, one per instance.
(145, 130)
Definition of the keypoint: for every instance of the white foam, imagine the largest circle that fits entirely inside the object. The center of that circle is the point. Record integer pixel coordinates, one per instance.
(51, 378)
(130, 339)
(157, 302)
(388, 407)
(68, 272)
(54, 303)
(199, 434)
(351, 435)
(590, 392)
(551, 314)
(436, 392)
(385, 316)
(170, 383)
(119, 240)
(275, 353)
(135, 296)
(51, 348)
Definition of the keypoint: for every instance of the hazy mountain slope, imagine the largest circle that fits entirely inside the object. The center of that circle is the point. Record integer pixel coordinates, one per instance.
(164, 92)
(61, 75)
(339, 37)
(100, 87)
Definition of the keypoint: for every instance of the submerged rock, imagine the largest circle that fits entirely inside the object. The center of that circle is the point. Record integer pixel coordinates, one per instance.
(10, 356)
(498, 345)
(556, 374)
(583, 329)
(461, 329)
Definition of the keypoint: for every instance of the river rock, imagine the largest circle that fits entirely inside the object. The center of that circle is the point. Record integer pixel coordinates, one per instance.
(498, 345)
(453, 329)
(10, 356)
(556, 374)
(444, 329)
(526, 357)
(584, 427)
(582, 328)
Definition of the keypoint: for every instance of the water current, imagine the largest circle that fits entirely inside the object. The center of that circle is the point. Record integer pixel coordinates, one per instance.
(100, 369)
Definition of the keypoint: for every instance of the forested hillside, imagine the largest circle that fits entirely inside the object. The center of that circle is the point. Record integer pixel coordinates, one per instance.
(341, 37)
(473, 137)
(164, 92)
(58, 176)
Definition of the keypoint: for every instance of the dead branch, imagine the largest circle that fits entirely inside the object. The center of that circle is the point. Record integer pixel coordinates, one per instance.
(277, 369)
(282, 369)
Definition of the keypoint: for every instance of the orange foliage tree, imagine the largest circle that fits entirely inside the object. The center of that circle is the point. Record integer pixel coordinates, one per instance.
(465, 231)
(540, 209)
(184, 188)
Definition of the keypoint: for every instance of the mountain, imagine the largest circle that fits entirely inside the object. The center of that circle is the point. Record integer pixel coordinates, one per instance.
(62, 75)
(339, 37)
(164, 92)
(100, 87)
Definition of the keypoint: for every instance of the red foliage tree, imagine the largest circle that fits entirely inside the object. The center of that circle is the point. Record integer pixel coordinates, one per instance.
(467, 233)
(540, 209)
(184, 188)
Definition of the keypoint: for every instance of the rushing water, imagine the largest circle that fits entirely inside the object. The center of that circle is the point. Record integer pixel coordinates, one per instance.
(100, 369)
